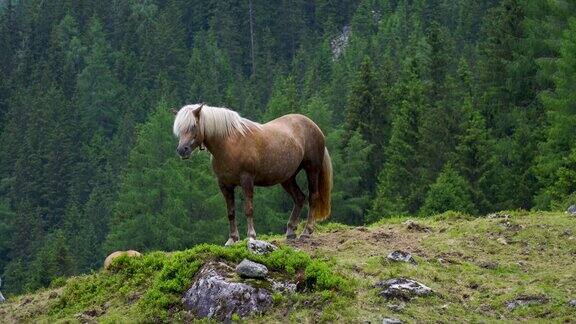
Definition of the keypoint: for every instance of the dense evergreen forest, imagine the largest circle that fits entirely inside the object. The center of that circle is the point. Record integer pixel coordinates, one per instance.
(427, 105)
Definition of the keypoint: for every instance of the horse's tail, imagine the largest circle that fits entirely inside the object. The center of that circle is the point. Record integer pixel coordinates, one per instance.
(322, 208)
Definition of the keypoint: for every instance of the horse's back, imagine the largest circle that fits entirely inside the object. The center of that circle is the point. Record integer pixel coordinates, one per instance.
(303, 130)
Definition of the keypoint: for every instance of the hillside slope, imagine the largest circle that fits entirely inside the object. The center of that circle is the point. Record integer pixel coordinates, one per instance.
(476, 267)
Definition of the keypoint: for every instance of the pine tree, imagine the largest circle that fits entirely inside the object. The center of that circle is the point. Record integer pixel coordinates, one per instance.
(449, 192)
(350, 198)
(361, 107)
(560, 105)
(367, 114)
(503, 31)
(208, 62)
(284, 100)
(99, 92)
(68, 52)
(53, 260)
(399, 188)
(474, 155)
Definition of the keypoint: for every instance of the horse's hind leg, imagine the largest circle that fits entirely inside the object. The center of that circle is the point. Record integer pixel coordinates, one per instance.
(291, 186)
(313, 176)
(228, 193)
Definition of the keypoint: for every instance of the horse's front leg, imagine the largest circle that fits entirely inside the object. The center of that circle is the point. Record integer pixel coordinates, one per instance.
(248, 187)
(228, 193)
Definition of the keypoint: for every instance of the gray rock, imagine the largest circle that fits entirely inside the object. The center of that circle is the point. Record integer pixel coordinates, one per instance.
(250, 269)
(572, 303)
(571, 210)
(339, 43)
(401, 256)
(397, 307)
(260, 247)
(214, 294)
(2, 299)
(498, 215)
(526, 301)
(284, 286)
(403, 288)
(390, 320)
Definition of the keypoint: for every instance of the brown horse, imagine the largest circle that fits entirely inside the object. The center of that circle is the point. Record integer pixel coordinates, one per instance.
(249, 154)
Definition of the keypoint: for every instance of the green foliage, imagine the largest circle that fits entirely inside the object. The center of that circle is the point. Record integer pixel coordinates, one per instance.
(349, 196)
(555, 164)
(449, 192)
(87, 156)
(162, 278)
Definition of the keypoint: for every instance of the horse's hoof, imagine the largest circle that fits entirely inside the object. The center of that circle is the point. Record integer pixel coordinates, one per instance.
(230, 242)
(304, 237)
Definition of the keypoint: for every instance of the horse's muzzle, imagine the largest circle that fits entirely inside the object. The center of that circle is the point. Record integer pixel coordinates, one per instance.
(184, 152)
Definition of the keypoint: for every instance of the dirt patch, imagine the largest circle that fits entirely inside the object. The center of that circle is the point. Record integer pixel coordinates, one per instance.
(416, 227)
(358, 244)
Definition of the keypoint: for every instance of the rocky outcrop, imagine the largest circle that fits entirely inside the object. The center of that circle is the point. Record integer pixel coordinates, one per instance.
(251, 269)
(215, 294)
(402, 288)
(339, 44)
(260, 247)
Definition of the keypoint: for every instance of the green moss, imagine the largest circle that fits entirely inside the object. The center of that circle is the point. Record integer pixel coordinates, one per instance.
(149, 288)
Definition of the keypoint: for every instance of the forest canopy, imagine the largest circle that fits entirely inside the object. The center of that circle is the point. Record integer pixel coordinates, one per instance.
(427, 105)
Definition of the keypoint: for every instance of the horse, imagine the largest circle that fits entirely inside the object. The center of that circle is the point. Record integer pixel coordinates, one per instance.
(247, 154)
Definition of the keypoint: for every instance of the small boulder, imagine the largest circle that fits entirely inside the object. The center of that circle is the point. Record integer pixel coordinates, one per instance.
(403, 288)
(572, 303)
(390, 320)
(526, 301)
(250, 269)
(571, 210)
(401, 256)
(214, 294)
(117, 254)
(260, 247)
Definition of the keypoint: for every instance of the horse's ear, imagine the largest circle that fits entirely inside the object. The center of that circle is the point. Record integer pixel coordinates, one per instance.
(198, 110)
(174, 111)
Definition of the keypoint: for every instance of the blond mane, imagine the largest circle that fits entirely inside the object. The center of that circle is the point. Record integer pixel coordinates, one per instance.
(216, 121)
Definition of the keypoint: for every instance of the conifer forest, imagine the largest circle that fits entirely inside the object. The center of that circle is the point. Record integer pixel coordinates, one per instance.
(426, 105)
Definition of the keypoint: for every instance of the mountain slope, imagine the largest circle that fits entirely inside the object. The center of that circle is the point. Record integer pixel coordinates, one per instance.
(477, 268)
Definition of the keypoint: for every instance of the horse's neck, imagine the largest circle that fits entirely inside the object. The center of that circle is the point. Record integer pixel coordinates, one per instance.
(215, 145)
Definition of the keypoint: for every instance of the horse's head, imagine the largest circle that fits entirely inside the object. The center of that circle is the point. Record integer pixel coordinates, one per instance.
(187, 129)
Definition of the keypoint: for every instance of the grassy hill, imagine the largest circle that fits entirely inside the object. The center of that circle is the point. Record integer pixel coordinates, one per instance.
(475, 266)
